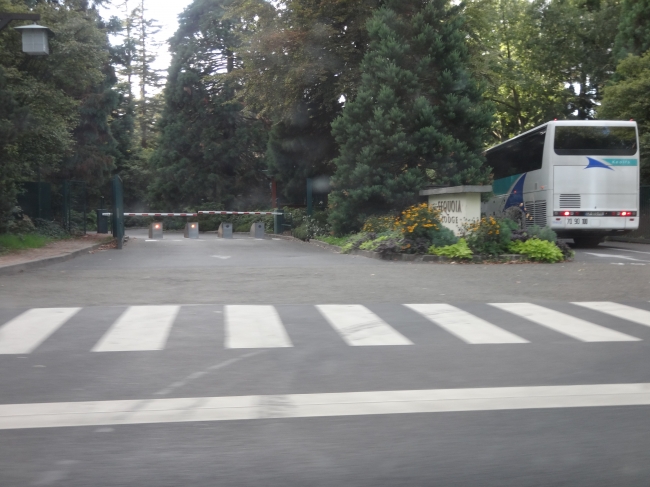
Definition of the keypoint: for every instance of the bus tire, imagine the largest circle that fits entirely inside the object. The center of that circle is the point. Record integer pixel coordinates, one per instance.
(586, 242)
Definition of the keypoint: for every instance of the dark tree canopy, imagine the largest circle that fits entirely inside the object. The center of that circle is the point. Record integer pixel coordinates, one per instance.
(418, 115)
(210, 151)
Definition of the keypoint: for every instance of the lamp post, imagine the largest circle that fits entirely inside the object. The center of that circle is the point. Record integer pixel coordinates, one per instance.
(35, 37)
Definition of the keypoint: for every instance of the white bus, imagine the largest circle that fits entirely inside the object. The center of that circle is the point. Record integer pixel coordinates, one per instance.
(581, 178)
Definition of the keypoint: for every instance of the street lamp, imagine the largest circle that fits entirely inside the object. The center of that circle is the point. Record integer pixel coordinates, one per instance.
(35, 37)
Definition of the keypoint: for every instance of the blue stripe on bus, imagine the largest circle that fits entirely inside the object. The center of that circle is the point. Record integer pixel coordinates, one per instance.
(516, 196)
(597, 163)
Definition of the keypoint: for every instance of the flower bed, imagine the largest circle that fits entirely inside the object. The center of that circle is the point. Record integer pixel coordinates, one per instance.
(417, 234)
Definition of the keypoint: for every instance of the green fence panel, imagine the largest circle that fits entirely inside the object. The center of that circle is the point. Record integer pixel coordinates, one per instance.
(36, 200)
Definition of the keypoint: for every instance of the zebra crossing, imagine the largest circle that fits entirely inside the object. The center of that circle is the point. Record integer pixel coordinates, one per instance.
(148, 328)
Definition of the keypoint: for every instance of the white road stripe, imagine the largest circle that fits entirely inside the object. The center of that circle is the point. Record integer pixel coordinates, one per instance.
(139, 328)
(636, 315)
(254, 327)
(360, 327)
(568, 325)
(101, 413)
(465, 326)
(628, 250)
(612, 256)
(27, 331)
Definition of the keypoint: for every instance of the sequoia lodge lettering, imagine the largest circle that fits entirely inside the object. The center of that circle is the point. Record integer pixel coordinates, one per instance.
(452, 206)
(446, 207)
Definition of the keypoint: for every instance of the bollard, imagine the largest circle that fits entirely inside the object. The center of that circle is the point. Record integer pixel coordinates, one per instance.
(225, 230)
(257, 230)
(192, 230)
(156, 230)
(102, 221)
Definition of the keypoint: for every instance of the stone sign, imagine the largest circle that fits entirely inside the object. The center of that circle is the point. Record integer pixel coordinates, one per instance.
(458, 205)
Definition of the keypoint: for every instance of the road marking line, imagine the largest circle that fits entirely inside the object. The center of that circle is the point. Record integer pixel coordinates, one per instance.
(612, 256)
(628, 250)
(360, 327)
(254, 326)
(26, 332)
(464, 325)
(151, 411)
(636, 315)
(568, 325)
(139, 328)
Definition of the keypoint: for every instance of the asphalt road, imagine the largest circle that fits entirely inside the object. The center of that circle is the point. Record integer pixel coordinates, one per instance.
(232, 363)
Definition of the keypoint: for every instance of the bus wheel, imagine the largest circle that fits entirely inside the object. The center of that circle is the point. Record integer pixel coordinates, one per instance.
(586, 242)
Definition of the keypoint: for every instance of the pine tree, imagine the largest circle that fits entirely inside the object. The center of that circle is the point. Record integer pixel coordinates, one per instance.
(210, 150)
(633, 29)
(150, 79)
(418, 114)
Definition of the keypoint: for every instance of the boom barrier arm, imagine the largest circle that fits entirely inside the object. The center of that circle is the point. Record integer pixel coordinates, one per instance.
(240, 213)
(203, 213)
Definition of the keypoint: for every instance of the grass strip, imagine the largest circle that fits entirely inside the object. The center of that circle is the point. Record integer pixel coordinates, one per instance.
(339, 241)
(10, 242)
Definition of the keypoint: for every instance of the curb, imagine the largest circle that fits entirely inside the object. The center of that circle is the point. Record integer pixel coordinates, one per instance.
(477, 259)
(9, 270)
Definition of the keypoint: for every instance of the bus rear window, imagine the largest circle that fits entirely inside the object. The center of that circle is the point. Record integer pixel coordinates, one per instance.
(595, 140)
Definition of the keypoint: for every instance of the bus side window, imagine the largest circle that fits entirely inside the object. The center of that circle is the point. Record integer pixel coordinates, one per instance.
(519, 155)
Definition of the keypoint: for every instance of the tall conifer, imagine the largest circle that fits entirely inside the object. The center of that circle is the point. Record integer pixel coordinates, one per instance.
(210, 150)
(418, 115)
(633, 29)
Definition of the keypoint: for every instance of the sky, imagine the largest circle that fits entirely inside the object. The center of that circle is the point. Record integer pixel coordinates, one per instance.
(165, 12)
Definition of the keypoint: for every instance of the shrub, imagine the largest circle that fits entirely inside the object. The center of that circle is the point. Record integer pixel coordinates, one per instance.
(538, 250)
(50, 229)
(519, 235)
(443, 237)
(567, 251)
(489, 236)
(391, 245)
(379, 224)
(312, 226)
(414, 245)
(459, 250)
(301, 232)
(357, 240)
(542, 233)
(419, 221)
(373, 244)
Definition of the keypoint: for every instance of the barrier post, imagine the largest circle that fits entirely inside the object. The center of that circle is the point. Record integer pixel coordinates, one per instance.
(257, 230)
(192, 230)
(225, 230)
(156, 231)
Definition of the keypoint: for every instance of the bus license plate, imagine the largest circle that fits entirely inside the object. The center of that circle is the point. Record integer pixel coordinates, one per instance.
(577, 221)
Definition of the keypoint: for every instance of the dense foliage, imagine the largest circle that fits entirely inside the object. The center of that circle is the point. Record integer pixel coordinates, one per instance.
(384, 96)
(211, 148)
(417, 115)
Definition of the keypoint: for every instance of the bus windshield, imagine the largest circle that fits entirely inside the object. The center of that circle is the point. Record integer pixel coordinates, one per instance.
(596, 140)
